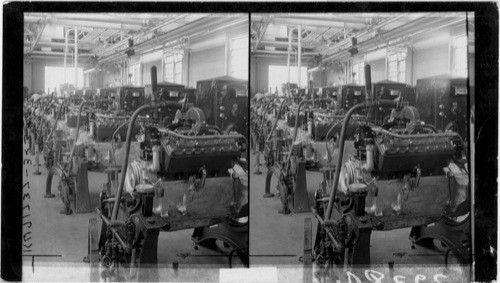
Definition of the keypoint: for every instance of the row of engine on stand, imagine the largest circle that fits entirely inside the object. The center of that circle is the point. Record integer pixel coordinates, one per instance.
(167, 168)
(384, 166)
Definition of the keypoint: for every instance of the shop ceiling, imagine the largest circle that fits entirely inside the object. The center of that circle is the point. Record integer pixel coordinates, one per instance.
(105, 37)
(330, 36)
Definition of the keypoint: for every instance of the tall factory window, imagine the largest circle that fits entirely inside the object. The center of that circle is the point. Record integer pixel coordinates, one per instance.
(135, 71)
(397, 67)
(238, 57)
(278, 75)
(173, 68)
(54, 78)
(358, 73)
(459, 56)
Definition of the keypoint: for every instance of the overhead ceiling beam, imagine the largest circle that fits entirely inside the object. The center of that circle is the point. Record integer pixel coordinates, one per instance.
(280, 43)
(315, 22)
(26, 30)
(284, 52)
(95, 24)
(358, 19)
(372, 29)
(106, 18)
(266, 20)
(51, 44)
(193, 29)
(39, 33)
(58, 53)
(417, 27)
(159, 26)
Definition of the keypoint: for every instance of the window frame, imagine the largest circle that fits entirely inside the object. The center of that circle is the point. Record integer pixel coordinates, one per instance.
(401, 64)
(173, 70)
(454, 70)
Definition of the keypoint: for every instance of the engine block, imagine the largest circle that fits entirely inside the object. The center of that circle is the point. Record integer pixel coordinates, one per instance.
(182, 155)
(395, 153)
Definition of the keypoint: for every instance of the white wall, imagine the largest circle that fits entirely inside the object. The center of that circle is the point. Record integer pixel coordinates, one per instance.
(431, 55)
(206, 64)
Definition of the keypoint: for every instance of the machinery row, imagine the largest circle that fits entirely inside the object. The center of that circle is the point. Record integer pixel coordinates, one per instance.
(392, 156)
(175, 158)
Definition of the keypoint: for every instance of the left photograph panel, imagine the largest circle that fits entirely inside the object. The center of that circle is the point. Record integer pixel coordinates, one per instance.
(135, 146)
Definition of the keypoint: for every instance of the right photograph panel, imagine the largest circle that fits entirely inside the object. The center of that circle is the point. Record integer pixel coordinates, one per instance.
(359, 166)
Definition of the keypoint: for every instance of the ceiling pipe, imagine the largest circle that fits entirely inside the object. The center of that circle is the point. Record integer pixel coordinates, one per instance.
(33, 19)
(57, 54)
(95, 24)
(58, 44)
(315, 22)
(337, 17)
(276, 52)
(313, 70)
(267, 42)
(99, 18)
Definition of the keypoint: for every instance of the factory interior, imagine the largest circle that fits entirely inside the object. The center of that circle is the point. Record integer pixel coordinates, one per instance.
(350, 114)
(334, 147)
(162, 97)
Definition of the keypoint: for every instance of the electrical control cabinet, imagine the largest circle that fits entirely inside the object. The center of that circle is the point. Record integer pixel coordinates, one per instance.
(224, 100)
(442, 102)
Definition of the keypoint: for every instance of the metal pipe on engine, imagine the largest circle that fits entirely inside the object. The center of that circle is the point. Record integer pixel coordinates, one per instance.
(111, 224)
(155, 166)
(227, 136)
(432, 135)
(136, 113)
(381, 103)
(369, 164)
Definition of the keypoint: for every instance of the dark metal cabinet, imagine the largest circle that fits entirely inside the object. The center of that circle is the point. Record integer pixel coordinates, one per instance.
(350, 95)
(130, 98)
(224, 101)
(442, 102)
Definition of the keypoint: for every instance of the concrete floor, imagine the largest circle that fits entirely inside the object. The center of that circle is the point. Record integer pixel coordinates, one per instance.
(278, 240)
(60, 241)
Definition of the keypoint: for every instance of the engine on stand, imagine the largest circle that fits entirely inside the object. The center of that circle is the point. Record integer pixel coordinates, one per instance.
(186, 175)
(401, 174)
